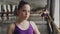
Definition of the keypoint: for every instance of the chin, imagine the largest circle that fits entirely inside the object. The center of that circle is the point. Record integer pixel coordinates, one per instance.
(26, 18)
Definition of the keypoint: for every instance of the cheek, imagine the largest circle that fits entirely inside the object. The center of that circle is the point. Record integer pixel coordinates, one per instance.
(24, 14)
(29, 14)
(21, 14)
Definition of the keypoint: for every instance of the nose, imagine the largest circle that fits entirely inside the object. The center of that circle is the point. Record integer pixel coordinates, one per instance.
(26, 13)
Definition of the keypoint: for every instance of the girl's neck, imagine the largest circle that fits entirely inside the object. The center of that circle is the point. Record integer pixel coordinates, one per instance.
(20, 21)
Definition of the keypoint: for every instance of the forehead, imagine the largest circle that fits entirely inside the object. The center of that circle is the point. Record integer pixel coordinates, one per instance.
(26, 7)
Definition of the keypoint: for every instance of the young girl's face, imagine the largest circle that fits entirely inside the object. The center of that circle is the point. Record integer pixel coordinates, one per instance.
(24, 12)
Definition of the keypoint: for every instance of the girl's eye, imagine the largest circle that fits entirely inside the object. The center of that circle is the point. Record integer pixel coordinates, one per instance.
(28, 11)
(23, 11)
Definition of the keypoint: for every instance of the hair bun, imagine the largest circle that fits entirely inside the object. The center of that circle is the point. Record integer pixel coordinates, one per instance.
(22, 3)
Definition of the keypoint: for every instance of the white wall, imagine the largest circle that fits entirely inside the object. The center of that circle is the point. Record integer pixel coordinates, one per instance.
(56, 13)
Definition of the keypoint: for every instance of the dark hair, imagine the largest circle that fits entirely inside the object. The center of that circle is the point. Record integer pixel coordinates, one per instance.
(22, 3)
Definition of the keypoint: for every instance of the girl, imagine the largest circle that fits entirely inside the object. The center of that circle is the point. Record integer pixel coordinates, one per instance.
(22, 26)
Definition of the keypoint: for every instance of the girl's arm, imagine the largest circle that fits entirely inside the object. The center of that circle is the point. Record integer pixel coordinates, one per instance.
(10, 29)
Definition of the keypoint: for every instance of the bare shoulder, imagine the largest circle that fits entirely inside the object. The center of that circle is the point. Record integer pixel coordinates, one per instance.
(34, 27)
(11, 26)
(33, 24)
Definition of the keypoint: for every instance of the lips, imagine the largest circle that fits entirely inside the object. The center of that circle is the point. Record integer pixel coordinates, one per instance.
(25, 16)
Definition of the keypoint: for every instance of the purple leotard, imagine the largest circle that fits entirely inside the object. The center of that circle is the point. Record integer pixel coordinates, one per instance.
(17, 30)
